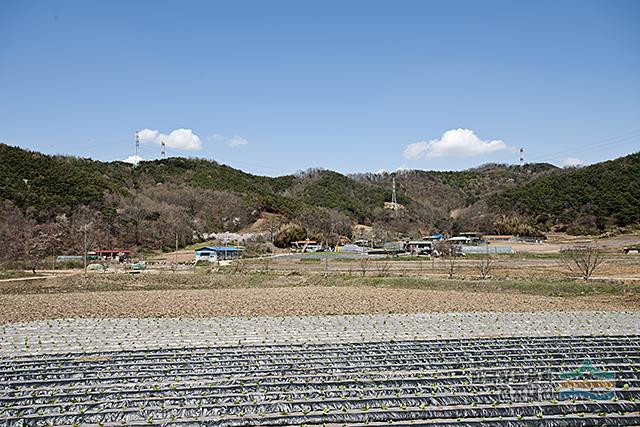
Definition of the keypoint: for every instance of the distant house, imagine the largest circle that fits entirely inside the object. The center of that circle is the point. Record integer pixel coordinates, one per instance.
(113, 254)
(419, 247)
(459, 240)
(436, 236)
(218, 253)
(500, 238)
(69, 258)
(469, 234)
(303, 246)
(392, 206)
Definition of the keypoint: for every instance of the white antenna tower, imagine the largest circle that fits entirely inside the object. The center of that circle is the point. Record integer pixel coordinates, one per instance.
(162, 151)
(521, 156)
(394, 200)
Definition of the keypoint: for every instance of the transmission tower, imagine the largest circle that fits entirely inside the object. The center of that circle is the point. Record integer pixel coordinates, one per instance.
(521, 156)
(394, 199)
(135, 159)
(162, 150)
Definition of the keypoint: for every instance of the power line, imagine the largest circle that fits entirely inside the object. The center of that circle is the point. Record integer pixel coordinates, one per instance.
(590, 150)
(605, 143)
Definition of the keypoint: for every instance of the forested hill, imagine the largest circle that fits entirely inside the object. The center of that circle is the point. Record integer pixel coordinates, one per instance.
(145, 206)
(586, 200)
(47, 185)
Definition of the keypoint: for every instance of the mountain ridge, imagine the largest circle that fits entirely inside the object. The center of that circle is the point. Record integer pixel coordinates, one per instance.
(146, 205)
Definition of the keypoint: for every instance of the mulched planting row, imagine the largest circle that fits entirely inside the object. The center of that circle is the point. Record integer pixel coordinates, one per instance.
(473, 381)
(102, 335)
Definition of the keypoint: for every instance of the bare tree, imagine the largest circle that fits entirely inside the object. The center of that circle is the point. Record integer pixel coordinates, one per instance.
(450, 264)
(383, 267)
(272, 224)
(484, 265)
(16, 232)
(266, 263)
(238, 266)
(44, 241)
(582, 261)
(38, 248)
(327, 224)
(363, 264)
(448, 255)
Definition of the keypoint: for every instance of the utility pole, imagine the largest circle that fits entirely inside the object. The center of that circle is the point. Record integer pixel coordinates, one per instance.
(85, 249)
(176, 253)
(84, 258)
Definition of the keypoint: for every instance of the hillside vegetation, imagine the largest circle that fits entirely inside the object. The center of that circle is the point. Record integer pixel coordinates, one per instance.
(582, 201)
(48, 201)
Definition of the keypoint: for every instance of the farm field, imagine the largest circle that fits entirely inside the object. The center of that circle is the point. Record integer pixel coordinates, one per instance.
(423, 369)
(273, 348)
(280, 294)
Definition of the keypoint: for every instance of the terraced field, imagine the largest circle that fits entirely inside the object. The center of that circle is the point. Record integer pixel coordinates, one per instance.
(426, 369)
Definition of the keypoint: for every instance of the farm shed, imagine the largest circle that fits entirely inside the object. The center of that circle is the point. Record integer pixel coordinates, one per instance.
(487, 249)
(218, 253)
(69, 258)
(303, 246)
(459, 240)
(500, 238)
(419, 247)
(116, 254)
(436, 236)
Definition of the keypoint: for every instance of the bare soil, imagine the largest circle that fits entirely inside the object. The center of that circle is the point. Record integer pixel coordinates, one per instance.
(293, 298)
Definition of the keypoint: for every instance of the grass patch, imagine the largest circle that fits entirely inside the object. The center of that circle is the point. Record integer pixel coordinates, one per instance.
(562, 288)
(517, 255)
(153, 282)
(403, 258)
(275, 279)
(15, 274)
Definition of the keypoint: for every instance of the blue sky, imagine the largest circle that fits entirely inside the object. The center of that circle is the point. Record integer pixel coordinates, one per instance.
(275, 87)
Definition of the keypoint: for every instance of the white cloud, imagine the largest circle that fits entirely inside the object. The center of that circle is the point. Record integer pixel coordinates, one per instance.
(182, 139)
(236, 141)
(454, 142)
(573, 162)
(134, 160)
(415, 150)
